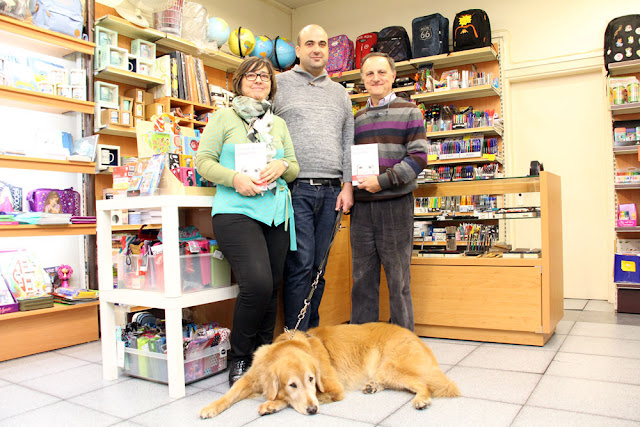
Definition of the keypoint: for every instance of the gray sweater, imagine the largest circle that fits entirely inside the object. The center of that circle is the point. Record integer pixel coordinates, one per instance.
(319, 116)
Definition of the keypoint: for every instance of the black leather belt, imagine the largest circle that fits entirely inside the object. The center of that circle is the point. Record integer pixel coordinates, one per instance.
(321, 181)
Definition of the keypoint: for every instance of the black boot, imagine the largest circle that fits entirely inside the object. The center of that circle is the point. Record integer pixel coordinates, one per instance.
(238, 369)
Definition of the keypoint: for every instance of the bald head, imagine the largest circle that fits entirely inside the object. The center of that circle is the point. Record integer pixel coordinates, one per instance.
(313, 49)
(310, 29)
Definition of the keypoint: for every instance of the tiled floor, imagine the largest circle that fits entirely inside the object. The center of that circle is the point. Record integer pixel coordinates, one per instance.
(587, 374)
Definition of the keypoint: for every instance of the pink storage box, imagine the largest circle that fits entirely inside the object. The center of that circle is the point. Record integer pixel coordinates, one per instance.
(627, 216)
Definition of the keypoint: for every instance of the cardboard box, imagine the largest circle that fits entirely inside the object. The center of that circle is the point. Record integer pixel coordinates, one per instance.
(135, 93)
(109, 117)
(138, 110)
(626, 268)
(153, 109)
(126, 119)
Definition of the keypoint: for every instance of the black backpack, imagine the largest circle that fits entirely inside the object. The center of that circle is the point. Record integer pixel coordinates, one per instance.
(430, 35)
(622, 40)
(471, 29)
(395, 42)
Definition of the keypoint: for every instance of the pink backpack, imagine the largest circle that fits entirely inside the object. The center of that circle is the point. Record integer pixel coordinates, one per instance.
(340, 54)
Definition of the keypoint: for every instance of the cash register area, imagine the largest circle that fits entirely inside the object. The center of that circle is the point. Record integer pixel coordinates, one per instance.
(587, 374)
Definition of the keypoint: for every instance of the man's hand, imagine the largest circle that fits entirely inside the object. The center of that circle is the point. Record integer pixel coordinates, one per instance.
(246, 185)
(370, 184)
(345, 198)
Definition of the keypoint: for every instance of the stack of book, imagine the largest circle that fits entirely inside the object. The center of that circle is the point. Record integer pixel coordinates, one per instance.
(185, 78)
(523, 253)
(8, 219)
(70, 296)
(36, 303)
(41, 218)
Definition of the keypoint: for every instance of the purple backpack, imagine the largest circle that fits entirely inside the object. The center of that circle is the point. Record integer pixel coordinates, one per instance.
(341, 54)
(50, 200)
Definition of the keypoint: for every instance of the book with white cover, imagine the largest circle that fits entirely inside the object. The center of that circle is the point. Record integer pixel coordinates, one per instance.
(364, 162)
(250, 159)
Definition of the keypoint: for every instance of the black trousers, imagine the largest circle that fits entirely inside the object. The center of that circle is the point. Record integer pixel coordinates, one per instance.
(256, 253)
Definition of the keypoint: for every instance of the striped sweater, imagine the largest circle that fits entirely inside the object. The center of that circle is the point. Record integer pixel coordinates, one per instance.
(398, 129)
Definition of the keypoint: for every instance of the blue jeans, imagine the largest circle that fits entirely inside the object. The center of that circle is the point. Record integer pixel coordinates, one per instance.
(314, 209)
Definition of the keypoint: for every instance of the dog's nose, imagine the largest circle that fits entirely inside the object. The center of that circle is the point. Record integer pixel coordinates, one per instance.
(311, 410)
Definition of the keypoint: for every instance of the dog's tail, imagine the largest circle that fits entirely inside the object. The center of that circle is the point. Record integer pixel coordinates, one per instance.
(440, 385)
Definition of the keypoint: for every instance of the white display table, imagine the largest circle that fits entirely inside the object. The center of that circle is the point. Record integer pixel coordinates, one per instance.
(172, 300)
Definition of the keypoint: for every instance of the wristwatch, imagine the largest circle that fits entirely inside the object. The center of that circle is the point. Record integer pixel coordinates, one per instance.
(286, 164)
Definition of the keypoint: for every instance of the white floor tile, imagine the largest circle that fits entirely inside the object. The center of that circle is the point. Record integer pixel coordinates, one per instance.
(289, 417)
(603, 368)
(509, 359)
(606, 330)
(449, 353)
(534, 417)
(86, 378)
(564, 327)
(128, 398)
(459, 411)
(574, 304)
(91, 352)
(599, 305)
(212, 381)
(587, 396)
(15, 400)
(186, 412)
(490, 384)
(28, 367)
(61, 414)
(552, 344)
(126, 424)
(4, 383)
(369, 408)
(601, 346)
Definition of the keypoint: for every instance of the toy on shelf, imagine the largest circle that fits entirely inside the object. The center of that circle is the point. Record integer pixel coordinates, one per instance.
(64, 272)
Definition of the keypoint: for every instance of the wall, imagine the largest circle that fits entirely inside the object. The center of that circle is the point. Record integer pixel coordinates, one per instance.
(555, 107)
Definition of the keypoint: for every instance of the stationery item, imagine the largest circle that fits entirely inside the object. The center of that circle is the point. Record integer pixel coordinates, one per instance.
(250, 159)
(364, 162)
(49, 200)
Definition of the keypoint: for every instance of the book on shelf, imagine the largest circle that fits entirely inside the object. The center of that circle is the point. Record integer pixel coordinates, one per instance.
(523, 253)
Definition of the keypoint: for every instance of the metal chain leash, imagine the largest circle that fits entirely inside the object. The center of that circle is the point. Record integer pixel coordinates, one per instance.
(314, 285)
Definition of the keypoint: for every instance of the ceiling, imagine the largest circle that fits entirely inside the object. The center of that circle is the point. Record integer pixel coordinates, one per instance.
(293, 4)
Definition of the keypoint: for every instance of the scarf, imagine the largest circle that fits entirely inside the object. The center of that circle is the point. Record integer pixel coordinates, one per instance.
(259, 118)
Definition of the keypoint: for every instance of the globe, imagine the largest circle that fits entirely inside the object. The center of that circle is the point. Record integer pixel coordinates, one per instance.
(218, 31)
(263, 47)
(285, 52)
(247, 42)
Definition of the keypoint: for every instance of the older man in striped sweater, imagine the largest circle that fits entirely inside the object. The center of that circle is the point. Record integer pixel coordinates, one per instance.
(382, 216)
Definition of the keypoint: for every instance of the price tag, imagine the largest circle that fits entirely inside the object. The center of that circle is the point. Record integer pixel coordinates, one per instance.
(490, 157)
(432, 157)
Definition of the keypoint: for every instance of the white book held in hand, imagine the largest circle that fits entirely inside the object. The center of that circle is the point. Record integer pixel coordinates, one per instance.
(364, 162)
(250, 159)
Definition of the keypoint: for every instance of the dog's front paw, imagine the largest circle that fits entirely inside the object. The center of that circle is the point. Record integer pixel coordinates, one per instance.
(271, 407)
(209, 411)
(421, 402)
(372, 387)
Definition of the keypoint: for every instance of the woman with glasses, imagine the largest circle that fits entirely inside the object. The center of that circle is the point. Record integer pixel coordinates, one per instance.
(247, 151)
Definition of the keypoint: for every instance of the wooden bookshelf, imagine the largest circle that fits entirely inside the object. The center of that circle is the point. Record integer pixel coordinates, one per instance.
(457, 94)
(488, 131)
(38, 101)
(122, 76)
(36, 163)
(24, 230)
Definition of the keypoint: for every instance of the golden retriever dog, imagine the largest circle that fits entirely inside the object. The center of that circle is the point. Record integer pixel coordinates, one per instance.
(318, 366)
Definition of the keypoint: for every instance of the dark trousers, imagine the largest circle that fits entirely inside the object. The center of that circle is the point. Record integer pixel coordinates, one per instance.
(256, 253)
(382, 234)
(314, 209)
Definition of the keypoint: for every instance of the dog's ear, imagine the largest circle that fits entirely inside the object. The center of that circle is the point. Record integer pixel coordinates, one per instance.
(319, 384)
(272, 385)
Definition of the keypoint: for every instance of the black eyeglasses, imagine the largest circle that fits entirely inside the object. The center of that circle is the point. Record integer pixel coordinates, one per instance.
(264, 77)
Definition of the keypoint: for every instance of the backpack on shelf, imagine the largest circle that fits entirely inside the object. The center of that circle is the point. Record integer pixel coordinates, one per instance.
(63, 16)
(16, 9)
(622, 40)
(471, 30)
(430, 35)
(395, 42)
(340, 54)
(365, 44)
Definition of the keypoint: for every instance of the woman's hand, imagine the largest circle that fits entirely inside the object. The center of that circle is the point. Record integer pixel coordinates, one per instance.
(245, 185)
(273, 171)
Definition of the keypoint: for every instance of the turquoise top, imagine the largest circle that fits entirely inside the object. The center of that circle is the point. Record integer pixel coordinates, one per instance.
(215, 160)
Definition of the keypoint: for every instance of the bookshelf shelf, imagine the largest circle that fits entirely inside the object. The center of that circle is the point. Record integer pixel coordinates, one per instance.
(25, 230)
(457, 94)
(469, 160)
(126, 28)
(121, 76)
(489, 131)
(35, 163)
(38, 101)
(117, 130)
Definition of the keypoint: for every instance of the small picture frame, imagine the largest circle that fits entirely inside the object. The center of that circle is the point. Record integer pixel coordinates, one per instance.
(126, 119)
(105, 37)
(64, 91)
(126, 103)
(78, 77)
(111, 56)
(145, 67)
(79, 93)
(143, 49)
(57, 76)
(106, 94)
(107, 156)
(86, 147)
(46, 87)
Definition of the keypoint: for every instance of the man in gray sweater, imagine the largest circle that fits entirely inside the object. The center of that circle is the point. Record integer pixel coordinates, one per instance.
(319, 116)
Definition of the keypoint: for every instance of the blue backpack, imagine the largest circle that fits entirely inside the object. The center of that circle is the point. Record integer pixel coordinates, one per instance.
(63, 16)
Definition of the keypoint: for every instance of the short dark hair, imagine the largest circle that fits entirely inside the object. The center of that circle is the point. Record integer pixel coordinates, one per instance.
(250, 64)
(389, 59)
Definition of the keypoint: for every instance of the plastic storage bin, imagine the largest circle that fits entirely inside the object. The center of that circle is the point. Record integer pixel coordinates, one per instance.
(153, 366)
(198, 272)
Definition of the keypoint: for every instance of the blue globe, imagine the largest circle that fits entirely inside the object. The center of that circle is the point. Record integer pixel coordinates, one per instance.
(263, 47)
(219, 31)
(286, 53)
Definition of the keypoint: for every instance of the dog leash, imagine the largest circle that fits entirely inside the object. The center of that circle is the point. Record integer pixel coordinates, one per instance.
(314, 285)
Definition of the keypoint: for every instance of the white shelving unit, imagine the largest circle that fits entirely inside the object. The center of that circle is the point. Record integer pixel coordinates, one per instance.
(172, 300)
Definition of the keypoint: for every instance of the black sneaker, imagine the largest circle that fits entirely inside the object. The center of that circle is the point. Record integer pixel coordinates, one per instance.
(237, 370)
